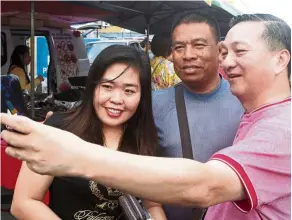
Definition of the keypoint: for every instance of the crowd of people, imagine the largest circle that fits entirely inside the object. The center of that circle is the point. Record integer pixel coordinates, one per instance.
(126, 138)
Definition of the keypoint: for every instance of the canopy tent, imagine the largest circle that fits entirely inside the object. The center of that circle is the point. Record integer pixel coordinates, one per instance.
(157, 16)
(51, 12)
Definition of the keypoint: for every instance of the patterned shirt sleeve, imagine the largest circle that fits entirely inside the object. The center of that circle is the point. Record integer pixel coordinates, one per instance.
(172, 79)
(163, 74)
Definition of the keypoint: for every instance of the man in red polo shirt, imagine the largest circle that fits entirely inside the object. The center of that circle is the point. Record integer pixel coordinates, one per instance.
(258, 72)
(249, 180)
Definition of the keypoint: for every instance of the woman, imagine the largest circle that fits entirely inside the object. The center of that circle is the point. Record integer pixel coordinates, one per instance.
(163, 74)
(116, 112)
(20, 58)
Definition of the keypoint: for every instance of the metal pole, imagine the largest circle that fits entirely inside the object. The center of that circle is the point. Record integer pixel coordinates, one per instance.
(148, 30)
(32, 52)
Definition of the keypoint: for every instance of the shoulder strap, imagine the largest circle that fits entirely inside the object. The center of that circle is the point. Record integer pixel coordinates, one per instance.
(198, 214)
(183, 122)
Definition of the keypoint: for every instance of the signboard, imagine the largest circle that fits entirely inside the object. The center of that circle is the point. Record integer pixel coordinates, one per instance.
(42, 56)
(66, 55)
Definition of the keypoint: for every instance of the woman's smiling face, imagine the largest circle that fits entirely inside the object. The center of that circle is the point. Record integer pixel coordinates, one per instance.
(115, 102)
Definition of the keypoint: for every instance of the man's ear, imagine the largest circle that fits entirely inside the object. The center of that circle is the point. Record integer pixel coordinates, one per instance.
(219, 50)
(281, 61)
(219, 46)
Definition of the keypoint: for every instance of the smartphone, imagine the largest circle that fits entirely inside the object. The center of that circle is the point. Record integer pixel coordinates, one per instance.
(9, 113)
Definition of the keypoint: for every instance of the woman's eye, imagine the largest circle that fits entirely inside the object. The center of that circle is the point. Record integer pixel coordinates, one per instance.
(129, 92)
(107, 87)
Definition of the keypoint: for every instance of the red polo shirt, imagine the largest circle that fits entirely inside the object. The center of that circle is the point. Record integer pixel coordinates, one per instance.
(261, 157)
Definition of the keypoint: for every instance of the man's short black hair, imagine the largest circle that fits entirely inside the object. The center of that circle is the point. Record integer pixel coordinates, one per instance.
(194, 17)
(277, 33)
(160, 45)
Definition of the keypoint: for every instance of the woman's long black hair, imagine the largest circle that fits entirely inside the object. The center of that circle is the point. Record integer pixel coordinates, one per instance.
(17, 59)
(140, 135)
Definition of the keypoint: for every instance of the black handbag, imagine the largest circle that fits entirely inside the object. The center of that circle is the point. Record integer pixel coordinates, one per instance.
(198, 213)
(132, 208)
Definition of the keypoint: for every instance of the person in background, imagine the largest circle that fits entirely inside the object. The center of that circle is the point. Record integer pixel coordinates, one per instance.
(163, 74)
(20, 58)
(116, 112)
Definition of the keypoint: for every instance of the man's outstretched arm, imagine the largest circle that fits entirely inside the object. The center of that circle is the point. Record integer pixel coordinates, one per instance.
(55, 152)
(164, 180)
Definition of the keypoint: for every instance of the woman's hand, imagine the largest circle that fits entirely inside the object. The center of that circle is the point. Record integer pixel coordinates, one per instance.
(41, 78)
